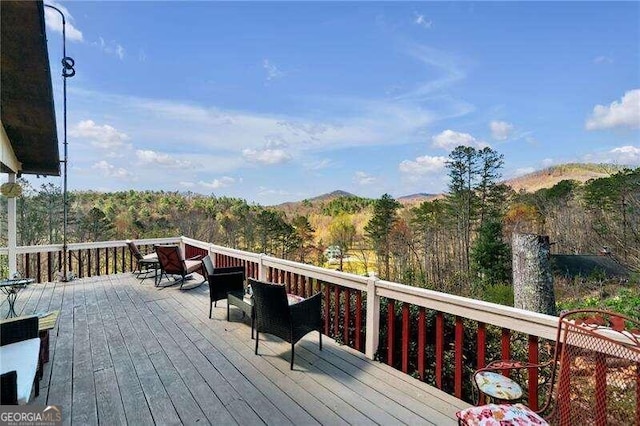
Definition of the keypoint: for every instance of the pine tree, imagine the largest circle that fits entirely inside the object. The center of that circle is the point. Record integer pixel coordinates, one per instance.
(379, 228)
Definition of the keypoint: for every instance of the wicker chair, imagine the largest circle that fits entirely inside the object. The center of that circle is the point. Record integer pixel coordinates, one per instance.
(222, 281)
(274, 314)
(143, 261)
(595, 376)
(173, 262)
(20, 352)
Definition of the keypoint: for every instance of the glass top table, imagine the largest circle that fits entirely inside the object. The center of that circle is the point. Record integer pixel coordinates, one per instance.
(11, 287)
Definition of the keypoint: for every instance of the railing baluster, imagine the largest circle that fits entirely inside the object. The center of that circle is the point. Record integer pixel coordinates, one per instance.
(439, 348)
(459, 336)
(533, 373)
(358, 330)
(405, 337)
(49, 266)
(106, 261)
(327, 307)
(39, 266)
(505, 347)
(27, 272)
(347, 314)
(98, 261)
(421, 342)
(89, 263)
(391, 330)
(336, 311)
(481, 341)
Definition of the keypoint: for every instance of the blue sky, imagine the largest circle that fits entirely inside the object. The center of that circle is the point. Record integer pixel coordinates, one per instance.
(274, 102)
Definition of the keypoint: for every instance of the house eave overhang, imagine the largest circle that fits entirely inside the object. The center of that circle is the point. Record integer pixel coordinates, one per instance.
(26, 93)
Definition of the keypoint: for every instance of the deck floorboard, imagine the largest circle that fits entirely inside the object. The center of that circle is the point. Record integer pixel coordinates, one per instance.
(126, 352)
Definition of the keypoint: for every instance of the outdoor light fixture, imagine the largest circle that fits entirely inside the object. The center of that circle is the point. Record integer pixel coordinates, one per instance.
(11, 189)
(67, 71)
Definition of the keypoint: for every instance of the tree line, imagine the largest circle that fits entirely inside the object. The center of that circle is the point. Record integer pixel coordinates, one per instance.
(459, 243)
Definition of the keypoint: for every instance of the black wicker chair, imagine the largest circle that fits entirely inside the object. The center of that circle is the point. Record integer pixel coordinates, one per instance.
(17, 330)
(222, 281)
(275, 316)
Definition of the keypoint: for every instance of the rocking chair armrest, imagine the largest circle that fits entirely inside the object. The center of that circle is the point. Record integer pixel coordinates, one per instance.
(196, 257)
(511, 364)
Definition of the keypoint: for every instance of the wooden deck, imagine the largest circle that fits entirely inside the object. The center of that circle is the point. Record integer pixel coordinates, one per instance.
(125, 352)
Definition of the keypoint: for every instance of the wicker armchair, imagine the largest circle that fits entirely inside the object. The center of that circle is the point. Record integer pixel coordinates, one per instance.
(595, 376)
(222, 281)
(274, 314)
(173, 262)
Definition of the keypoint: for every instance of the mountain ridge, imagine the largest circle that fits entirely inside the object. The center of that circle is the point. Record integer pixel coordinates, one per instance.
(529, 182)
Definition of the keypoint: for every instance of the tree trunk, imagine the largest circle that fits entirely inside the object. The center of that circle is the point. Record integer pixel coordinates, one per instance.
(532, 278)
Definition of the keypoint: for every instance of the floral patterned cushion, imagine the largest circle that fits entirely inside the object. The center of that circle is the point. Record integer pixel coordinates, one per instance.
(499, 415)
(498, 386)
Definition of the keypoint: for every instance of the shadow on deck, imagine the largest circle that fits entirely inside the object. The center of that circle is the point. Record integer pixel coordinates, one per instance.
(126, 352)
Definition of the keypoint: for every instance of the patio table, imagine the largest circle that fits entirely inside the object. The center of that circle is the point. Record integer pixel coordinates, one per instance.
(11, 287)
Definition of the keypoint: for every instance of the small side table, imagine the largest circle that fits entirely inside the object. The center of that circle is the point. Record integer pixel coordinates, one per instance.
(245, 303)
(11, 287)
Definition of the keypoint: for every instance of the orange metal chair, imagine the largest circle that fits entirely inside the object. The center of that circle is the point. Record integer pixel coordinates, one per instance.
(595, 376)
(172, 262)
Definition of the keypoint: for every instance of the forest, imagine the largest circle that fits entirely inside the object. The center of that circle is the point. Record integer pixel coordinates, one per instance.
(458, 243)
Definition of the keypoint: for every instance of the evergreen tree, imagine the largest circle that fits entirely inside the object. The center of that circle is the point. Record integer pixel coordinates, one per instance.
(490, 255)
(378, 229)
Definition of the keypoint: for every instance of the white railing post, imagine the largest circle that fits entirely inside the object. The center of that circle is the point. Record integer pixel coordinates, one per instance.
(182, 246)
(373, 319)
(262, 270)
(11, 231)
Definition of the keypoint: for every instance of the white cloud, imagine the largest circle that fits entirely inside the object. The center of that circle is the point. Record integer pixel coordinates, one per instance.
(625, 113)
(500, 130)
(450, 139)
(120, 51)
(109, 170)
(423, 165)
(110, 47)
(548, 162)
(422, 21)
(523, 171)
(105, 136)
(266, 156)
(223, 182)
(160, 159)
(53, 21)
(626, 154)
(362, 178)
(273, 72)
(602, 60)
(318, 164)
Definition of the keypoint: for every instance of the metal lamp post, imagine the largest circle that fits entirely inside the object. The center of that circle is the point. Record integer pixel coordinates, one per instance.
(67, 72)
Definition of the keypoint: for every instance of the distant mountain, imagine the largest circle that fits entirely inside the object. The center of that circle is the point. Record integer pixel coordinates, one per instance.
(417, 198)
(308, 204)
(546, 178)
(331, 195)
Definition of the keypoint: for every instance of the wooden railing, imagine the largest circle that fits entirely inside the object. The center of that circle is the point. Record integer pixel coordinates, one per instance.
(44, 263)
(437, 337)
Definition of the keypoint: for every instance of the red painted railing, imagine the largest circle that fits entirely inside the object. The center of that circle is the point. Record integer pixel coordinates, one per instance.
(439, 338)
